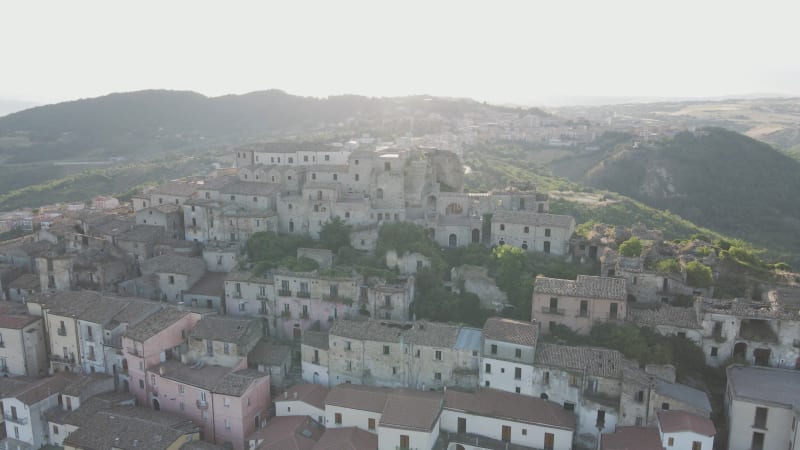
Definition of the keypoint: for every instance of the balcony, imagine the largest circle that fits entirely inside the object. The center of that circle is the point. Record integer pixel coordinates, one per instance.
(315, 361)
(201, 404)
(284, 293)
(302, 294)
(338, 299)
(549, 310)
(304, 316)
(62, 331)
(17, 420)
(89, 338)
(286, 314)
(132, 351)
(62, 360)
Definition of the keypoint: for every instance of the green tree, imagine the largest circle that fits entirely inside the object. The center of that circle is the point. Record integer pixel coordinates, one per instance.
(699, 275)
(668, 266)
(631, 247)
(335, 234)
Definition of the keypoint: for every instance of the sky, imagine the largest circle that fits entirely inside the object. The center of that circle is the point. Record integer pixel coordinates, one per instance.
(521, 52)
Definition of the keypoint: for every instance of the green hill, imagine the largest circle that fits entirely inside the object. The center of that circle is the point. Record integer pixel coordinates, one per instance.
(716, 178)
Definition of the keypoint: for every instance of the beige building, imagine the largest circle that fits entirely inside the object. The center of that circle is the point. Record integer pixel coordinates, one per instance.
(222, 340)
(578, 304)
(762, 408)
(533, 231)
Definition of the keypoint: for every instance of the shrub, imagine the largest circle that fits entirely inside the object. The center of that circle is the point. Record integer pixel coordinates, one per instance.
(631, 247)
(699, 275)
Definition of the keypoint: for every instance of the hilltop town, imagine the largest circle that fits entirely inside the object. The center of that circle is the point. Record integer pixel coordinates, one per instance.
(353, 295)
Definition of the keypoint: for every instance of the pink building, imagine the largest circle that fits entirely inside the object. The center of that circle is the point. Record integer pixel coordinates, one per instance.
(151, 342)
(229, 403)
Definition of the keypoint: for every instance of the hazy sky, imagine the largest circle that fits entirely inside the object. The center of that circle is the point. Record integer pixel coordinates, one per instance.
(497, 51)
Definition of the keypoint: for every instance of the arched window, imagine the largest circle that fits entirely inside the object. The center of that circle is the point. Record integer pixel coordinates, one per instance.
(453, 241)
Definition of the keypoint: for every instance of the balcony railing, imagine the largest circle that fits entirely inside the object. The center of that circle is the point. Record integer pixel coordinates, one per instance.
(284, 293)
(286, 314)
(62, 331)
(302, 294)
(90, 338)
(62, 360)
(337, 299)
(201, 404)
(304, 316)
(549, 310)
(18, 420)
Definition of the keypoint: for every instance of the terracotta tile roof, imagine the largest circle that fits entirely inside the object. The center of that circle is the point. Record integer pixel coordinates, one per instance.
(316, 339)
(596, 361)
(347, 438)
(632, 438)
(287, 433)
(353, 396)
(155, 323)
(313, 394)
(506, 405)
(514, 331)
(674, 421)
(585, 286)
(25, 281)
(429, 334)
(211, 284)
(174, 264)
(411, 410)
(142, 233)
(664, 315)
(17, 321)
(225, 329)
(268, 353)
(130, 428)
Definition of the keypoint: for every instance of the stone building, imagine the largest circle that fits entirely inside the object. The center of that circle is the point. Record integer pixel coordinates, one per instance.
(648, 286)
(421, 355)
(222, 341)
(533, 231)
(22, 344)
(168, 217)
(578, 304)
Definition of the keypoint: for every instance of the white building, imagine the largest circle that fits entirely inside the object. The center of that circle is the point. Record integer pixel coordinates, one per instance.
(762, 408)
(303, 400)
(507, 354)
(681, 429)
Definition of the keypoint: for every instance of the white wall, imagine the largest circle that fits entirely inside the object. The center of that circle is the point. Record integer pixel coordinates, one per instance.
(685, 439)
(310, 369)
(298, 408)
(351, 418)
(502, 376)
(389, 438)
(778, 432)
(493, 428)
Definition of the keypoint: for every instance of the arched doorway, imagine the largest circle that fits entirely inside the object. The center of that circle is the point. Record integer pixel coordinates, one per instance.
(453, 241)
(502, 242)
(476, 236)
(432, 202)
(291, 226)
(156, 405)
(740, 350)
(544, 396)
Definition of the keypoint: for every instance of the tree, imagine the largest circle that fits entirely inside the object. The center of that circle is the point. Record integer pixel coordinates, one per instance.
(668, 266)
(335, 234)
(631, 247)
(698, 275)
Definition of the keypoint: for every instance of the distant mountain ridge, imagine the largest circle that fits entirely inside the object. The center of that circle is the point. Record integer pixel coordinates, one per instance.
(716, 178)
(157, 120)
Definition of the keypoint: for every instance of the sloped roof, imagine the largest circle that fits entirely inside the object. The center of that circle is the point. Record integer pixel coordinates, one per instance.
(313, 394)
(224, 328)
(155, 323)
(316, 339)
(347, 438)
(632, 438)
(584, 286)
(674, 421)
(514, 331)
(268, 353)
(684, 393)
(431, 334)
(685, 317)
(506, 405)
(288, 433)
(600, 362)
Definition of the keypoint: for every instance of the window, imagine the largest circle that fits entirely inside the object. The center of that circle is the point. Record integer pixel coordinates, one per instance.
(502, 227)
(417, 354)
(385, 349)
(227, 424)
(405, 442)
(601, 418)
(438, 355)
(494, 349)
(337, 418)
(347, 346)
(356, 177)
(569, 406)
(180, 389)
(371, 423)
(526, 230)
(387, 166)
(758, 441)
(347, 214)
(209, 347)
(349, 365)
(640, 397)
(171, 279)
(437, 376)
(553, 305)
(665, 405)
(584, 308)
(518, 373)
(612, 312)
(153, 379)
(394, 370)
(227, 402)
(486, 383)
(524, 431)
(336, 177)
(546, 378)
(714, 351)
(518, 352)
(761, 418)
(55, 429)
(697, 445)
(226, 348)
(517, 390)
(327, 157)
(488, 368)
(573, 380)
